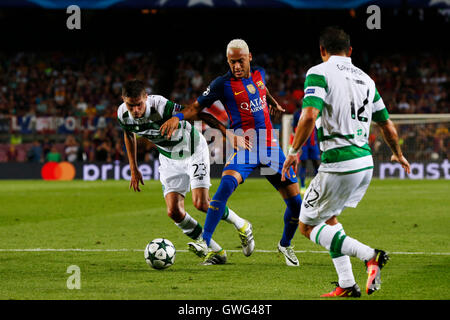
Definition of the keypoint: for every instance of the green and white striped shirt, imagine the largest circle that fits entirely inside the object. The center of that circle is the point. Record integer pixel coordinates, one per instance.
(158, 110)
(348, 101)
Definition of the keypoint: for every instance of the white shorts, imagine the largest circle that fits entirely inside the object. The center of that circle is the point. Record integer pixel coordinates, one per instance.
(330, 193)
(181, 175)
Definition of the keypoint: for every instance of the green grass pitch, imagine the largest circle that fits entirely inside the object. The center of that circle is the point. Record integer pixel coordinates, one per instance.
(111, 226)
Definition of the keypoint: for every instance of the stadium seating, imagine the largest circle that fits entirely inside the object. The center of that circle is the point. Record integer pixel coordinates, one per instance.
(72, 85)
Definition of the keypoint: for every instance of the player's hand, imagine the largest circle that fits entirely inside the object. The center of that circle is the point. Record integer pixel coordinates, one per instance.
(169, 127)
(239, 142)
(136, 178)
(277, 109)
(402, 160)
(290, 161)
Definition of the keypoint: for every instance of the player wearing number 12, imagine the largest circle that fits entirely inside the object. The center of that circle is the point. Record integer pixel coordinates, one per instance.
(341, 100)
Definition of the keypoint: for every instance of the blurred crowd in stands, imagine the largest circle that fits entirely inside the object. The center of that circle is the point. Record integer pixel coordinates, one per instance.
(88, 85)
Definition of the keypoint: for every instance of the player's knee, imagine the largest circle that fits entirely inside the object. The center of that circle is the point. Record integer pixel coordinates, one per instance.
(305, 229)
(201, 204)
(175, 213)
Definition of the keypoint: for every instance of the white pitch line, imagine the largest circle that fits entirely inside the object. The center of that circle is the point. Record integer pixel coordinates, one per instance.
(139, 250)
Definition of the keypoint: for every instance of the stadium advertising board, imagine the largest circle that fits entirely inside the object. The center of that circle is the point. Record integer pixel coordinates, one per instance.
(118, 171)
(30, 124)
(83, 171)
(150, 171)
(423, 170)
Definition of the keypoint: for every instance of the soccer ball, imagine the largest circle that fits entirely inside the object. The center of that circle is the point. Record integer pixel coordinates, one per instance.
(160, 253)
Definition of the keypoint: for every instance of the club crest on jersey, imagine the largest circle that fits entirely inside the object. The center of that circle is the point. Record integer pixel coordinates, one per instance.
(251, 88)
(260, 85)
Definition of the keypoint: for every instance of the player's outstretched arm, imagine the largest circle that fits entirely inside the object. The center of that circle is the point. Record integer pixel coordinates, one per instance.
(238, 142)
(390, 136)
(131, 145)
(274, 106)
(189, 113)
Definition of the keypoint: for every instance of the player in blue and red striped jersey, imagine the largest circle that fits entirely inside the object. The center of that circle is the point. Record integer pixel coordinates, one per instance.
(310, 151)
(248, 103)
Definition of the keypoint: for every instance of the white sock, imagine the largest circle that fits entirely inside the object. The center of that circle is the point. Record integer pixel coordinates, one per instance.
(190, 227)
(332, 238)
(342, 244)
(214, 246)
(194, 230)
(323, 234)
(234, 219)
(354, 248)
(344, 270)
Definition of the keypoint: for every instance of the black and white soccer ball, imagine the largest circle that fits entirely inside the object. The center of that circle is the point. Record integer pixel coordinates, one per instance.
(160, 253)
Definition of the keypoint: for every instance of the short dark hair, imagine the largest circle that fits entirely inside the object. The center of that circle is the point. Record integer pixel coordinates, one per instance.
(334, 40)
(133, 88)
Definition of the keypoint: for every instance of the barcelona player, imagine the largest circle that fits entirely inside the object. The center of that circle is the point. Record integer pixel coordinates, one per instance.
(248, 103)
(310, 151)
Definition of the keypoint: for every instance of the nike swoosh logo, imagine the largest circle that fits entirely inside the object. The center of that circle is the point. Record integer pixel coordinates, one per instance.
(287, 257)
(292, 261)
(236, 93)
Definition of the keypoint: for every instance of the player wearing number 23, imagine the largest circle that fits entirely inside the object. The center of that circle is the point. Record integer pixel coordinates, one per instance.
(184, 163)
